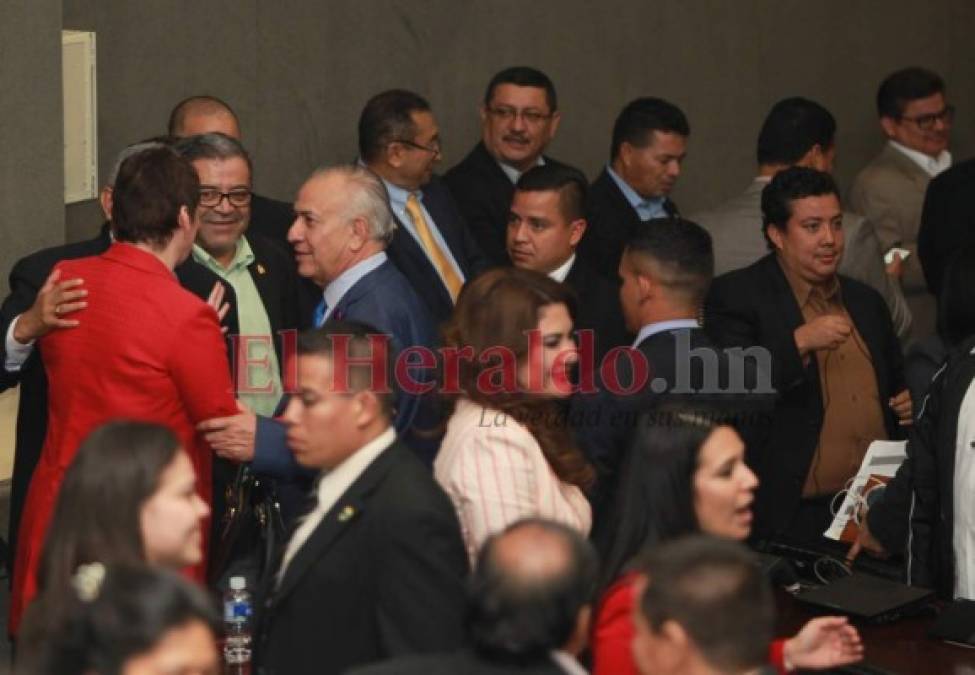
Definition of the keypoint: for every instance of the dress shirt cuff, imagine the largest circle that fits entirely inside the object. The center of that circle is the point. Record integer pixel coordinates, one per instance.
(15, 353)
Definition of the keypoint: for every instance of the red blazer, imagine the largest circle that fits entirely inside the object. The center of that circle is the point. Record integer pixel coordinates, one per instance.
(613, 633)
(145, 349)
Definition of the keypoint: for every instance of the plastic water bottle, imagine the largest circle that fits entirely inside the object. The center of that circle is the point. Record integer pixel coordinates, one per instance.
(236, 621)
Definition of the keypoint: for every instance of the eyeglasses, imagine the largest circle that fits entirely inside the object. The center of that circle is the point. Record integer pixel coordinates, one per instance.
(433, 148)
(236, 197)
(927, 122)
(508, 114)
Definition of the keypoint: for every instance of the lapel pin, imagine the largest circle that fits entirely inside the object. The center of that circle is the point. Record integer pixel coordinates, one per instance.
(260, 268)
(346, 514)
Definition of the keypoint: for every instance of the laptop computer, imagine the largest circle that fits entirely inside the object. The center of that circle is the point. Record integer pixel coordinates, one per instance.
(867, 598)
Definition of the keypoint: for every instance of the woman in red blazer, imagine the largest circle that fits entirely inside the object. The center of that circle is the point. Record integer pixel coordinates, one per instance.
(143, 347)
(684, 474)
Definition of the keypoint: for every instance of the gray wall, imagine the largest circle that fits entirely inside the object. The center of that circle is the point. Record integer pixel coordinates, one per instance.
(31, 129)
(298, 71)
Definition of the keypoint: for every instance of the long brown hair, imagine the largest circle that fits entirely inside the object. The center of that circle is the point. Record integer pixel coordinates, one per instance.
(496, 310)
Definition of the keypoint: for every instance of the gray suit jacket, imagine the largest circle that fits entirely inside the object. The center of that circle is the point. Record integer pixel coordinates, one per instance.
(736, 232)
(889, 192)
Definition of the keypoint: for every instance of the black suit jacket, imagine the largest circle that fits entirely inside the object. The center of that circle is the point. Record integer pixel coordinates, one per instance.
(755, 306)
(271, 218)
(411, 260)
(598, 308)
(611, 222)
(947, 221)
(26, 279)
(381, 576)
(463, 662)
(483, 193)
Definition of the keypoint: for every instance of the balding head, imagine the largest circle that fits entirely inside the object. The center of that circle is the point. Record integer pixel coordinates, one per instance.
(203, 115)
(530, 591)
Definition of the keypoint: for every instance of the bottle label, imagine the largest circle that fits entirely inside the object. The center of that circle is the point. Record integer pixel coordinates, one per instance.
(236, 611)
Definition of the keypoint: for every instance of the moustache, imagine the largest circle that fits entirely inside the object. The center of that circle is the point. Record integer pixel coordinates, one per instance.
(516, 138)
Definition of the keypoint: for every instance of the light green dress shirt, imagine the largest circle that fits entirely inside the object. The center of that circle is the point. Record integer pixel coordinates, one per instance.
(260, 387)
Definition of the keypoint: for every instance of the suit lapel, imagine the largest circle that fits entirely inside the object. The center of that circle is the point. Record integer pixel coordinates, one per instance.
(344, 514)
(411, 254)
(439, 211)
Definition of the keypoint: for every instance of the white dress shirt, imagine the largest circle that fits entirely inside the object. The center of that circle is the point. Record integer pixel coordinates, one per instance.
(331, 486)
(931, 165)
(514, 174)
(661, 326)
(563, 270)
(16, 354)
(567, 662)
(963, 498)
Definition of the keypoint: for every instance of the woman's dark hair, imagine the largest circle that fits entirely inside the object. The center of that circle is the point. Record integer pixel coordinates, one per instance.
(96, 518)
(494, 312)
(956, 305)
(655, 494)
(103, 623)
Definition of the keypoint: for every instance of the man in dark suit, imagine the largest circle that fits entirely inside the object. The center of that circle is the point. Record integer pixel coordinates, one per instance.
(834, 358)
(947, 221)
(376, 569)
(47, 303)
(529, 607)
(519, 118)
(208, 114)
(649, 144)
(340, 237)
(399, 141)
(547, 220)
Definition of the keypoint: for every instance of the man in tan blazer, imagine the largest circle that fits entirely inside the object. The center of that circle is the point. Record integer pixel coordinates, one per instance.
(800, 132)
(889, 191)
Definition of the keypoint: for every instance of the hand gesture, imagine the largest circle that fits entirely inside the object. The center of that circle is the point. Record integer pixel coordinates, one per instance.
(823, 332)
(824, 642)
(54, 301)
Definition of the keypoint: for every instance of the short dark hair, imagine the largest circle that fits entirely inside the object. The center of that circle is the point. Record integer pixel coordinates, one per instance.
(516, 616)
(214, 145)
(151, 188)
(523, 76)
(131, 610)
(715, 590)
(788, 185)
(904, 86)
(387, 118)
(643, 116)
(321, 342)
(568, 181)
(195, 104)
(792, 128)
(681, 254)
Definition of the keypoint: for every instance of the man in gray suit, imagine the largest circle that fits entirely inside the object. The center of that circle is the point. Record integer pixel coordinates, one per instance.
(800, 132)
(889, 191)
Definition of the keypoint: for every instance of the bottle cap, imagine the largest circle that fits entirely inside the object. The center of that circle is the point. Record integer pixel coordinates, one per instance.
(238, 583)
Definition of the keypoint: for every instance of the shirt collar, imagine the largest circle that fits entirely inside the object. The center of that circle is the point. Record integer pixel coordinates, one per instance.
(243, 257)
(514, 174)
(632, 196)
(931, 165)
(567, 662)
(802, 289)
(346, 473)
(343, 282)
(398, 196)
(563, 270)
(661, 326)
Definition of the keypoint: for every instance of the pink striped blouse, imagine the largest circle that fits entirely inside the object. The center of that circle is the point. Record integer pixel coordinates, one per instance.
(495, 473)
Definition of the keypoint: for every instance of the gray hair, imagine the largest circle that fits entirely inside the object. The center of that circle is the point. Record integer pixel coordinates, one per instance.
(127, 152)
(366, 198)
(211, 146)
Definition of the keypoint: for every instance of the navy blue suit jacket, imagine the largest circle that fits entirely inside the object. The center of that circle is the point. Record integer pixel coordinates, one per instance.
(383, 299)
(411, 260)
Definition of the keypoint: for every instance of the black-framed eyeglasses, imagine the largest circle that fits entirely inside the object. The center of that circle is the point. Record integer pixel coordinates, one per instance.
(506, 114)
(434, 147)
(927, 122)
(236, 197)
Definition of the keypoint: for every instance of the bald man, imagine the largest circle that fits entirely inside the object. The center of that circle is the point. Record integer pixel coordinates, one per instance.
(528, 607)
(208, 114)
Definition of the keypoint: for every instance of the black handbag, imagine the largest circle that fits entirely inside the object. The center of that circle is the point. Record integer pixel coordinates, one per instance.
(250, 534)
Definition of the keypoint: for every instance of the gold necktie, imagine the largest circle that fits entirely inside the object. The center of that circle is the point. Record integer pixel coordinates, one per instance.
(437, 256)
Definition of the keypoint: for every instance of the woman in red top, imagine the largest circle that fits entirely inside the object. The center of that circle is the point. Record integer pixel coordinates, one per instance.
(144, 348)
(685, 474)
